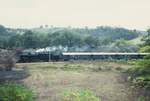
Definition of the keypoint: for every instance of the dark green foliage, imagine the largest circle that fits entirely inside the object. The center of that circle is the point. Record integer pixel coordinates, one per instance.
(147, 38)
(5, 35)
(30, 40)
(92, 42)
(140, 75)
(15, 92)
(114, 33)
(142, 67)
(97, 39)
(2, 30)
(15, 41)
(64, 38)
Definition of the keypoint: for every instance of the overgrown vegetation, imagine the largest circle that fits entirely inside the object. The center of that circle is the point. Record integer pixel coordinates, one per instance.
(80, 95)
(15, 92)
(140, 75)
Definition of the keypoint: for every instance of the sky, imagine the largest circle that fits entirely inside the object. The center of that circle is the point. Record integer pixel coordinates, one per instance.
(132, 14)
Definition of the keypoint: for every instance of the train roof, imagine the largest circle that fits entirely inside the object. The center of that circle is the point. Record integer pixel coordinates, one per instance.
(101, 53)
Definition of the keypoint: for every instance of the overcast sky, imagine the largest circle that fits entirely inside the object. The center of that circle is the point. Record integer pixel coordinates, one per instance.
(76, 13)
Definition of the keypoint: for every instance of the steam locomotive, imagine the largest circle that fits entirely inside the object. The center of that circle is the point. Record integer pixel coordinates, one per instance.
(66, 56)
(40, 57)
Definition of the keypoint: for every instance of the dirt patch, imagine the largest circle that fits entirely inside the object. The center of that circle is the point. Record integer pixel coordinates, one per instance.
(50, 80)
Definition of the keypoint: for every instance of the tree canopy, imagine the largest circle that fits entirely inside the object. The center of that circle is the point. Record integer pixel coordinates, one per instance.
(86, 39)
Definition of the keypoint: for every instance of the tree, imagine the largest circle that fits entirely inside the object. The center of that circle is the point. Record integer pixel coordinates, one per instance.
(2, 30)
(73, 38)
(146, 46)
(30, 40)
(64, 38)
(147, 38)
(92, 42)
(16, 41)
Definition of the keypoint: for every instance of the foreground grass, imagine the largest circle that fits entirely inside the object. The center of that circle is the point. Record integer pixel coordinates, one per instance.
(15, 92)
(77, 81)
(79, 95)
(104, 79)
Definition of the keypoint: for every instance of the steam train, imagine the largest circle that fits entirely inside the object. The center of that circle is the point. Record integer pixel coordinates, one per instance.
(66, 56)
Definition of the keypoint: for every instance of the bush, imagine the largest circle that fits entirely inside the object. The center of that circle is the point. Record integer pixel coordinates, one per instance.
(140, 75)
(71, 67)
(142, 67)
(80, 95)
(145, 49)
(7, 60)
(15, 92)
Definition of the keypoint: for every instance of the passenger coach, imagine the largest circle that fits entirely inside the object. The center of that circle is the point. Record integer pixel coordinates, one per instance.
(66, 56)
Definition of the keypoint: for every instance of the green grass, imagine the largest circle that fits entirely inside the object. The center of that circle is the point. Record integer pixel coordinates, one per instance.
(136, 41)
(15, 92)
(80, 95)
(71, 67)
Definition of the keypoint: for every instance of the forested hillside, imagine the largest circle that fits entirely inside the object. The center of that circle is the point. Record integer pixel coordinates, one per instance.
(104, 39)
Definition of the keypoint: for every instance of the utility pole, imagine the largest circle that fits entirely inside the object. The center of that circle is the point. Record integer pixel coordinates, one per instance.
(49, 56)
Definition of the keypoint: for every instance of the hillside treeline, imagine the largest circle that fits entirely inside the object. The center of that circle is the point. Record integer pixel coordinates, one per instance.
(75, 39)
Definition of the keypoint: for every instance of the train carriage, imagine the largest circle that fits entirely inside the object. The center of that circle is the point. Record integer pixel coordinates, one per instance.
(66, 56)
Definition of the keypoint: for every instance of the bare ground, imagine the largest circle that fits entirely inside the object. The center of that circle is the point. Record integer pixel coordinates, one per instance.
(106, 79)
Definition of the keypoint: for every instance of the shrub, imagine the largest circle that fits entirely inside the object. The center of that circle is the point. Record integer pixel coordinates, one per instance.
(145, 49)
(7, 60)
(71, 67)
(141, 98)
(142, 67)
(15, 92)
(140, 75)
(80, 95)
